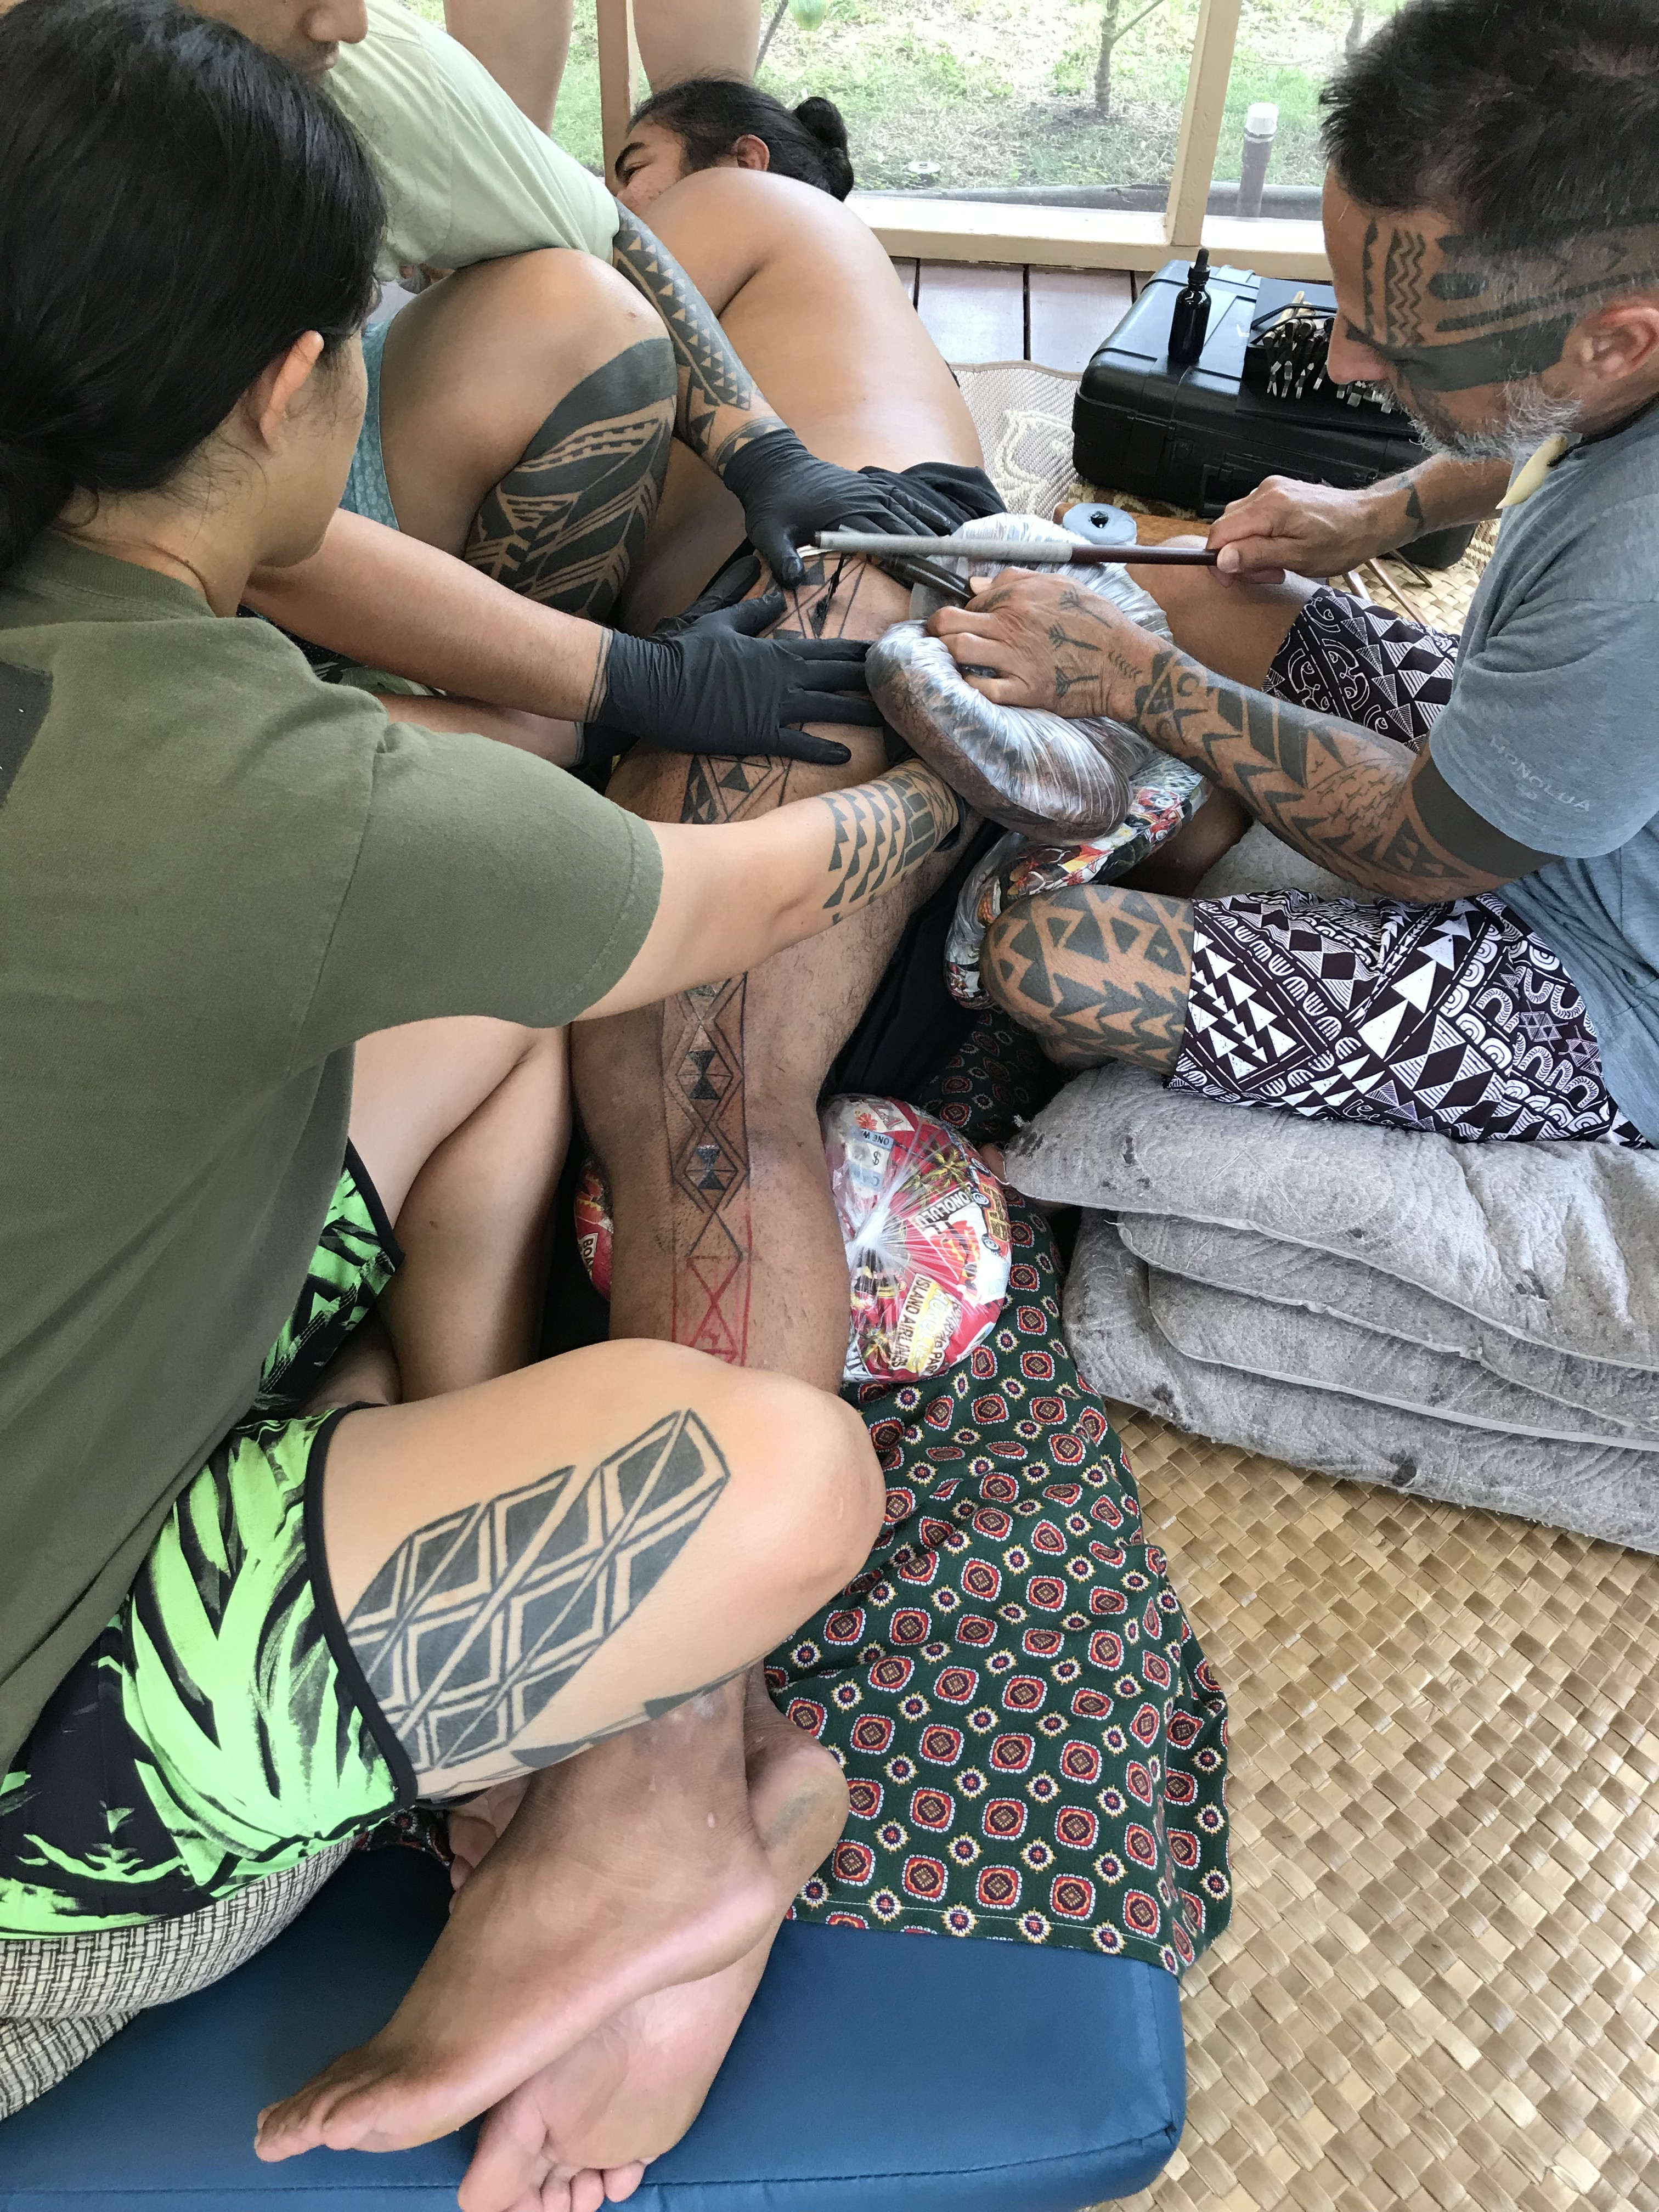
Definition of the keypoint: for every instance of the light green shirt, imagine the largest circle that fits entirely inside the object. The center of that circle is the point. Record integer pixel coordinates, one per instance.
(466, 175)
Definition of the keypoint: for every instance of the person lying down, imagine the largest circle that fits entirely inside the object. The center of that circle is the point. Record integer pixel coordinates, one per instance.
(291, 1100)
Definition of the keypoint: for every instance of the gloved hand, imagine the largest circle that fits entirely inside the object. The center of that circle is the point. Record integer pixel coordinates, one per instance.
(713, 686)
(788, 493)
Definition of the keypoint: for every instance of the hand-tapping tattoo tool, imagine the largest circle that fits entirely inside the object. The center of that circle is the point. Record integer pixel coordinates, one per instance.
(1013, 553)
(945, 581)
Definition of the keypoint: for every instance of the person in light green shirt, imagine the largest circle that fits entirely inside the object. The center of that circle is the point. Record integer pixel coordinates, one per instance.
(466, 176)
(521, 413)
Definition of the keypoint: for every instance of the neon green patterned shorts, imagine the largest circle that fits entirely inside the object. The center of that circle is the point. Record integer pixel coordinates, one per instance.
(220, 1728)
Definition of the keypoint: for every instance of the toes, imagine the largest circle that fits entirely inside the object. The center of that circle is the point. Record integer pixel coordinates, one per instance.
(586, 2190)
(621, 2181)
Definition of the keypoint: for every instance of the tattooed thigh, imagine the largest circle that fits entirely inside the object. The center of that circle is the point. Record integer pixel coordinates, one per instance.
(1096, 973)
(566, 525)
(479, 1618)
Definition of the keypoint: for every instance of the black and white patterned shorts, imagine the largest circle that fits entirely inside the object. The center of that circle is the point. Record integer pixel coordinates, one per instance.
(1451, 1018)
(1350, 657)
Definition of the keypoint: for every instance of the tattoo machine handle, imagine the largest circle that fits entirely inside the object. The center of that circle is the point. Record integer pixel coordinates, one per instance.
(1015, 554)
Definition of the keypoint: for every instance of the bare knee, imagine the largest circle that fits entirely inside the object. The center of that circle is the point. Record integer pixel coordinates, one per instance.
(1233, 627)
(1014, 975)
(538, 323)
(801, 1472)
(818, 1450)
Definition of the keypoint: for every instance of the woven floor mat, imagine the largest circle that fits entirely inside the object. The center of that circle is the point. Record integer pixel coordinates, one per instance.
(1440, 1985)
(1022, 413)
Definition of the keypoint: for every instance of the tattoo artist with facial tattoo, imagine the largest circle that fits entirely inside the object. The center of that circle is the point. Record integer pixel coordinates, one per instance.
(1492, 216)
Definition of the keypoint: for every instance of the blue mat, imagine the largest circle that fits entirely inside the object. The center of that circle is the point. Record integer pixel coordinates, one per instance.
(880, 2072)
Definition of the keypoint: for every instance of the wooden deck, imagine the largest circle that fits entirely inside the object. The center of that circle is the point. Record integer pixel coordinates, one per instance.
(1057, 317)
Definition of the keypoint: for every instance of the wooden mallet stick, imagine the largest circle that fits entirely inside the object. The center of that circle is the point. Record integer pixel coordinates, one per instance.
(1015, 553)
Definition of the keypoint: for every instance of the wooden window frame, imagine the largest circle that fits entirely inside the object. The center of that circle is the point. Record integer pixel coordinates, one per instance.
(911, 225)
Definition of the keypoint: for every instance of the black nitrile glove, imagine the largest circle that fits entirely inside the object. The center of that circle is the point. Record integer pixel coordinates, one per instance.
(789, 494)
(715, 687)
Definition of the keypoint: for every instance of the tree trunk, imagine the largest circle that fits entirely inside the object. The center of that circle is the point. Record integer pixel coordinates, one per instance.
(1103, 64)
(1356, 28)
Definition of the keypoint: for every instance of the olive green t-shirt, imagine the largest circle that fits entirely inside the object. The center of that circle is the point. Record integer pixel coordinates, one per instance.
(216, 873)
(467, 176)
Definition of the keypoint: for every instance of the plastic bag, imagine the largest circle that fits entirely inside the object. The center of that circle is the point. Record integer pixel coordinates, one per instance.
(1044, 774)
(925, 1227)
(927, 1236)
(1167, 796)
(593, 1231)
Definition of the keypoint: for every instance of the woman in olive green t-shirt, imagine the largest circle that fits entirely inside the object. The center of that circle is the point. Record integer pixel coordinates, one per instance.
(283, 986)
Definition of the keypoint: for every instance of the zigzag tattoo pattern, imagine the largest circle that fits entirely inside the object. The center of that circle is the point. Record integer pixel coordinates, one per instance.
(882, 831)
(566, 525)
(711, 377)
(480, 1618)
(1098, 974)
(1402, 285)
(702, 1043)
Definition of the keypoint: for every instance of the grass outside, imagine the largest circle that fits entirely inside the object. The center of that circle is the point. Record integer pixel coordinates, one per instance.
(962, 93)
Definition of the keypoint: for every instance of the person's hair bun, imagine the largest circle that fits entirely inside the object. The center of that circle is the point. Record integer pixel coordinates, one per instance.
(824, 120)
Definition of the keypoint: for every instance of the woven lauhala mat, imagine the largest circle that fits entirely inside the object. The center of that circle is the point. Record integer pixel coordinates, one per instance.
(1440, 1985)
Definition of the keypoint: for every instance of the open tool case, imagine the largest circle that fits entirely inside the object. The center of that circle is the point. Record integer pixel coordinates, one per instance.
(1202, 435)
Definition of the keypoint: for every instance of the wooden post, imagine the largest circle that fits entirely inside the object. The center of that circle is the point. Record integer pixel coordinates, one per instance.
(1200, 125)
(618, 70)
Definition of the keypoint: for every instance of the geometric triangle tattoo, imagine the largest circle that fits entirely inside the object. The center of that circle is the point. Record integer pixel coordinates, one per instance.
(479, 1618)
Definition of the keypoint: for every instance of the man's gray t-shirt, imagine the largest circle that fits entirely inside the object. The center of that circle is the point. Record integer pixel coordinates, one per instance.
(1551, 734)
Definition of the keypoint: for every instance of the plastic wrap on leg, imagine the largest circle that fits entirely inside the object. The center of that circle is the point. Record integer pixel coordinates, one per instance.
(1040, 772)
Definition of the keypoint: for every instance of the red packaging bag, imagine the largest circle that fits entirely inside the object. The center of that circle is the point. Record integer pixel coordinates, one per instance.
(925, 1227)
(926, 1236)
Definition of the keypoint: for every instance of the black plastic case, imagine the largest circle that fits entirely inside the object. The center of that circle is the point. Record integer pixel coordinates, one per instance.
(1199, 437)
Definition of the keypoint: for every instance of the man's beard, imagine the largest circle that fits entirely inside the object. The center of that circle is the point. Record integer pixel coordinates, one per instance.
(1529, 415)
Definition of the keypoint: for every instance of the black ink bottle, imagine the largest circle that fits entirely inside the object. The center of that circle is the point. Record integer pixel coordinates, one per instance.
(1191, 319)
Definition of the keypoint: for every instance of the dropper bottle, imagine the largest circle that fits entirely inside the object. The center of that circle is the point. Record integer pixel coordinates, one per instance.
(1191, 319)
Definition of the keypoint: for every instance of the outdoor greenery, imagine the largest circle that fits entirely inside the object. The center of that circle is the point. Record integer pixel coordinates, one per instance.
(955, 92)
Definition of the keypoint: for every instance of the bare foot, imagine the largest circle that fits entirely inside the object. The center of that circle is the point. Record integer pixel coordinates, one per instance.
(630, 1867)
(584, 2128)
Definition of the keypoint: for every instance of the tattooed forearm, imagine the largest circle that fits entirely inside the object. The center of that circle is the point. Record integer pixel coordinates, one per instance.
(1341, 794)
(1098, 974)
(719, 409)
(882, 831)
(480, 1619)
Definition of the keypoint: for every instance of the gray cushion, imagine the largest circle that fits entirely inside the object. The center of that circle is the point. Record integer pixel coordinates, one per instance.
(1603, 1492)
(1554, 1244)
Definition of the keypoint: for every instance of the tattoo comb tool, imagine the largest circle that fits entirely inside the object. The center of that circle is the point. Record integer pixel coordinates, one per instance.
(1013, 553)
(945, 581)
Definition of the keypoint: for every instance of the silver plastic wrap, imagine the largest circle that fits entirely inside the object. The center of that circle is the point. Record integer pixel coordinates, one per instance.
(1037, 772)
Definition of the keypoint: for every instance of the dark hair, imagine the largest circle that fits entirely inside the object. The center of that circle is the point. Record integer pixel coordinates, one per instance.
(1526, 121)
(176, 207)
(709, 114)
